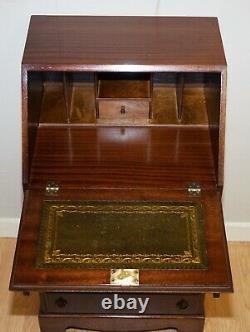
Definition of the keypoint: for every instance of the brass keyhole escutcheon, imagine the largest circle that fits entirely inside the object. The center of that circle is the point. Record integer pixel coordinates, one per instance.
(123, 110)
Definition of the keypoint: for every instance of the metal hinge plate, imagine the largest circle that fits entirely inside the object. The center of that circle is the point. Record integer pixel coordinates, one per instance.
(52, 188)
(194, 189)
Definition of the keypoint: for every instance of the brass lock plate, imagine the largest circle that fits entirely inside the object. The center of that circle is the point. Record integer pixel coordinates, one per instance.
(124, 277)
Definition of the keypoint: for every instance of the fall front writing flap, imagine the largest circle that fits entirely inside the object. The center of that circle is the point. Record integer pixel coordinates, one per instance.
(211, 273)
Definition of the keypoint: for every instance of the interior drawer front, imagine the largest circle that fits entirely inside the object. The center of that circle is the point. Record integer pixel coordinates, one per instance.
(123, 111)
(123, 303)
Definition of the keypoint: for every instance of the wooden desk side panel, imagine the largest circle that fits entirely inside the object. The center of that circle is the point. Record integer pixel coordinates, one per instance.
(222, 128)
(25, 150)
(32, 91)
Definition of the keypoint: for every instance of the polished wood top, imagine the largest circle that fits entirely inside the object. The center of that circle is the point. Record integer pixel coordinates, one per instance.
(124, 43)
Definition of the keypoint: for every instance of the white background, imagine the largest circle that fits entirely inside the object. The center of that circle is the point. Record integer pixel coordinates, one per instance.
(235, 29)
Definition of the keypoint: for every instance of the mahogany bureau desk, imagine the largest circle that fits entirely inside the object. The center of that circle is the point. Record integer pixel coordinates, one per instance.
(123, 150)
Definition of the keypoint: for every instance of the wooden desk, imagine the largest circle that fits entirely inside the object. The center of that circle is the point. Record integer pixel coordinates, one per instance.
(122, 109)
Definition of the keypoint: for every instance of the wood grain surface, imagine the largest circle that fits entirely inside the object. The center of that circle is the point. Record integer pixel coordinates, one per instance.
(130, 157)
(106, 43)
(229, 313)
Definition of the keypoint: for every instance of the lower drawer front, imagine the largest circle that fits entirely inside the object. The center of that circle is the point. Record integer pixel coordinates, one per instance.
(122, 303)
(123, 111)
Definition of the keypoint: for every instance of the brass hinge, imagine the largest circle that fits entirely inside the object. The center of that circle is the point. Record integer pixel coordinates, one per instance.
(52, 188)
(194, 189)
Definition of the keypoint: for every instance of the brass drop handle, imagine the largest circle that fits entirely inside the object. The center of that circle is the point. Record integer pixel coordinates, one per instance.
(123, 110)
(61, 302)
(182, 304)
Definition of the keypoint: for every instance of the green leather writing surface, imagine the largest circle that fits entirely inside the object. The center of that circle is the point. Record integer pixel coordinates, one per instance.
(107, 234)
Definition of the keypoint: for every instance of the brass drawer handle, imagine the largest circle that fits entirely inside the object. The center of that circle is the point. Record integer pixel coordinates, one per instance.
(123, 110)
(61, 302)
(182, 304)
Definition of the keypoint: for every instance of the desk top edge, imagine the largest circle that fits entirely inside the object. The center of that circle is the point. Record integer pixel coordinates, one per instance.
(124, 40)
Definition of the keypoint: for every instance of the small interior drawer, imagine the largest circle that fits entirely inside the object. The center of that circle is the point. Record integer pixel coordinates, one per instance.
(123, 111)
